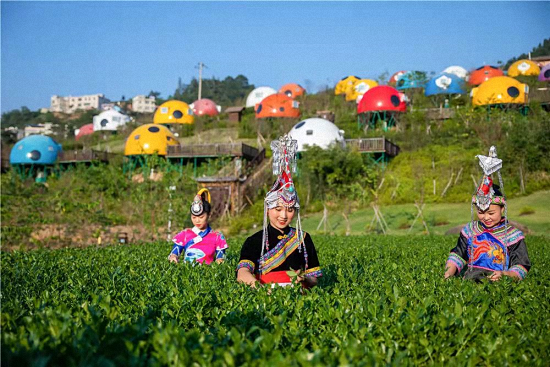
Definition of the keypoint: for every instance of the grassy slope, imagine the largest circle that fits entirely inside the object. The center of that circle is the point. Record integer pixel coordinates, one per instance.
(455, 214)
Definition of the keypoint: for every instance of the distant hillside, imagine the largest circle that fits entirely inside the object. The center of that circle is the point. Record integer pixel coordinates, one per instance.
(543, 49)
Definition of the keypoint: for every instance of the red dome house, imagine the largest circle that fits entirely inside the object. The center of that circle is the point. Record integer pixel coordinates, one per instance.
(278, 105)
(381, 103)
(205, 107)
(484, 73)
(84, 130)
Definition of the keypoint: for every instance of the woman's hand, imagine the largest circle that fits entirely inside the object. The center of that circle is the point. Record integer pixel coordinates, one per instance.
(219, 261)
(496, 276)
(450, 271)
(173, 258)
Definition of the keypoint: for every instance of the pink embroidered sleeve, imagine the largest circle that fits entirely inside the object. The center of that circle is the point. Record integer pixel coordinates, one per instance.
(180, 238)
(221, 244)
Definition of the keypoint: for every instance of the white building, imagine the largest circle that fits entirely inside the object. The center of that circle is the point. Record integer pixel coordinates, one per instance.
(143, 104)
(110, 120)
(316, 131)
(40, 129)
(70, 104)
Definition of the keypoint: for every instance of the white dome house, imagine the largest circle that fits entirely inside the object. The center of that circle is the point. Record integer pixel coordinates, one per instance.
(110, 120)
(316, 131)
(257, 95)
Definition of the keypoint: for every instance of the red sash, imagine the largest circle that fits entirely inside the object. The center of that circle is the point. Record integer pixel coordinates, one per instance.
(274, 277)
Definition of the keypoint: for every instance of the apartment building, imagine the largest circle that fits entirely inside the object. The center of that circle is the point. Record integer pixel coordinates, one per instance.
(143, 104)
(70, 104)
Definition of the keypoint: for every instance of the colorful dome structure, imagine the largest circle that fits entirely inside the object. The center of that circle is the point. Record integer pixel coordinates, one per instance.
(205, 107)
(410, 80)
(483, 74)
(445, 83)
(395, 77)
(360, 87)
(500, 90)
(87, 129)
(149, 139)
(292, 90)
(524, 67)
(278, 105)
(381, 103)
(345, 84)
(459, 71)
(316, 132)
(110, 120)
(258, 95)
(174, 112)
(544, 75)
(35, 149)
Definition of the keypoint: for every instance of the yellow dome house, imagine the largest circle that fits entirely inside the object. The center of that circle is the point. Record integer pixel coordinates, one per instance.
(500, 90)
(345, 84)
(174, 112)
(359, 88)
(524, 67)
(149, 139)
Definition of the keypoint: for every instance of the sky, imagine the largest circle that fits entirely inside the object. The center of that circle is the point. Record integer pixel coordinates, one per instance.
(129, 48)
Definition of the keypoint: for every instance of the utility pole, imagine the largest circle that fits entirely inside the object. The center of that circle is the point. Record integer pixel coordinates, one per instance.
(200, 66)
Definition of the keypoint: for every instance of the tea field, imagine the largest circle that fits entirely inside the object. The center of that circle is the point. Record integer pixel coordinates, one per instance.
(382, 301)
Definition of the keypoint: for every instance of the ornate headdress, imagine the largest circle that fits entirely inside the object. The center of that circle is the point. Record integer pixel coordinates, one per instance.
(283, 192)
(201, 202)
(487, 193)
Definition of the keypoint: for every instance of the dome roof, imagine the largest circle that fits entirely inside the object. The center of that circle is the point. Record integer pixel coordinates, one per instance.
(395, 77)
(292, 90)
(206, 107)
(445, 83)
(544, 75)
(484, 73)
(345, 84)
(316, 131)
(35, 149)
(149, 139)
(382, 98)
(524, 67)
(500, 90)
(278, 105)
(411, 79)
(459, 71)
(257, 95)
(173, 112)
(110, 120)
(87, 129)
(359, 88)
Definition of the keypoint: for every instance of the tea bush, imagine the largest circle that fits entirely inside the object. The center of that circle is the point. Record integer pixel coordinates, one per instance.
(382, 300)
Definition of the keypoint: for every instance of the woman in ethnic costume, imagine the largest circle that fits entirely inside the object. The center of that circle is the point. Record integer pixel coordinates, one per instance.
(269, 255)
(199, 244)
(490, 247)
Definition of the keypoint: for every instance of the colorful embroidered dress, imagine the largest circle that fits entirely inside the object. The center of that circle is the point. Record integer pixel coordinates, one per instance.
(485, 250)
(281, 257)
(203, 247)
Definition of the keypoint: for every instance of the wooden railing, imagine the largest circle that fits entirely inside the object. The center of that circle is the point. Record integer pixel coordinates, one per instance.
(374, 145)
(75, 156)
(212, 150)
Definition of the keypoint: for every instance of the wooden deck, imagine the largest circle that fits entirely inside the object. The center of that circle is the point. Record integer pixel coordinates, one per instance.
(212, 150)
(374, 145)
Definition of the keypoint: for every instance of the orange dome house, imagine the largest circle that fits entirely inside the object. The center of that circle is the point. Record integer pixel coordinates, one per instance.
(483, 74)
(345, 84)
(524, 67)
(278, 105)
(500, 90)
(173, 112)
(149, 139)
(292, 90)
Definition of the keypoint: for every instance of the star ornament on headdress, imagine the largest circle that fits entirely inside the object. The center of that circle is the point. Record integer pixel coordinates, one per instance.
(485, 194)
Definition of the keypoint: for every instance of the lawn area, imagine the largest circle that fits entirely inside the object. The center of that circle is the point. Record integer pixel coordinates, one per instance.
(439, 217)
